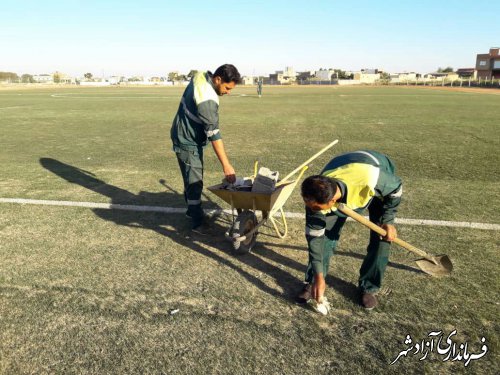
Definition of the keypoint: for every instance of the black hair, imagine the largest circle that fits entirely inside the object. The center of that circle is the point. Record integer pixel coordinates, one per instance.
(319, 189)
(228, 73)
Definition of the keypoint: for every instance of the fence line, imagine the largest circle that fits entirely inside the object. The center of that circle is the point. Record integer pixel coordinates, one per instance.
(461, 82)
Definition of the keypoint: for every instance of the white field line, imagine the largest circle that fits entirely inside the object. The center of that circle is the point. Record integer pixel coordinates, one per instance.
(407, 95)
(12, 107)
(79, 96)
(173, 210)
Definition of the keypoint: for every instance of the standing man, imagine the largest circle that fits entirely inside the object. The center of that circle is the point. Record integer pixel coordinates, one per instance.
(359, 179)
(259, 87)
(197, 123)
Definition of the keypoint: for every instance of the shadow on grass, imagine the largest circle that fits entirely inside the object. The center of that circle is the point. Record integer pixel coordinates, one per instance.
(351, 254)
(170, 226)
(173, 227)
(346, 289)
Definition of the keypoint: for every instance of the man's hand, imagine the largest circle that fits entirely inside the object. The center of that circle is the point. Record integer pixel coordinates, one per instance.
(226, 166)
(318, 287)
(392, 233)
(229, 173)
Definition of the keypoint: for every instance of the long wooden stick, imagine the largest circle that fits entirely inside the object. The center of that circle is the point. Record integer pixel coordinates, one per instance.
(308, 161)
(374, 227)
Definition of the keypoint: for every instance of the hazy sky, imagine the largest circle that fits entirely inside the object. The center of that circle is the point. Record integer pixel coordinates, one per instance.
(147, 37)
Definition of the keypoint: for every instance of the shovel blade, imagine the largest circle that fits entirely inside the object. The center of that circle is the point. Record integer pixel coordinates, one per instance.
(441, 266)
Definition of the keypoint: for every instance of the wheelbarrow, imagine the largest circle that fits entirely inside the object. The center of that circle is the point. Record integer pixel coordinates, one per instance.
(244, 228)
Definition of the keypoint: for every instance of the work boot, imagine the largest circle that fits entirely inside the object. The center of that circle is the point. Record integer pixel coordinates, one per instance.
(200, 226)
(368, 301)
(197, 219)
(305, 295)
(189, 215)
(200, 229)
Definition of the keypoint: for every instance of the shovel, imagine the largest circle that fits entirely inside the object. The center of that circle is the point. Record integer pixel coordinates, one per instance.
(438, 265)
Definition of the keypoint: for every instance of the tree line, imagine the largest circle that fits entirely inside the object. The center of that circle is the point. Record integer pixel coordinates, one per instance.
(172, 76)
(13, 77)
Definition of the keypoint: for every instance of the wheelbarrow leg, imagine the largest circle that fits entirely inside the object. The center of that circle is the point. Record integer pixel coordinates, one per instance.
(243, 233)
(281, 232)
(238, 211)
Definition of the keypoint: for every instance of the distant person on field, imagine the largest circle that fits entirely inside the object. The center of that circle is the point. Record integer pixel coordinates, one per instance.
(259, 87)
(197, 123)
(360, 180)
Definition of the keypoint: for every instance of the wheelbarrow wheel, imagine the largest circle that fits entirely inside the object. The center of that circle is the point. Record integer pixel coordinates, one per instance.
(244, 223)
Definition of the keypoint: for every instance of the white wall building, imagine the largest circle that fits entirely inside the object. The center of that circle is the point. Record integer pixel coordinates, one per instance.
(325, 74)
(247, 80)
(404, 77)
(114, 80)
(43, 78)
(368, 78)
(289, 72)
(348, 82)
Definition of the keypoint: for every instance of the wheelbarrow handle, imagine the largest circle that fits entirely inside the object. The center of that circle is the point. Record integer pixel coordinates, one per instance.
(309, 160)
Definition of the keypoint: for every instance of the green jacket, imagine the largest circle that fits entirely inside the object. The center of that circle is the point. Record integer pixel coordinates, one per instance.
(197, 119)
(363, 175)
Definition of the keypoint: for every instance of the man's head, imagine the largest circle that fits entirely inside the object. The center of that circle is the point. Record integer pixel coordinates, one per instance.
(320, 192)
(225, 78)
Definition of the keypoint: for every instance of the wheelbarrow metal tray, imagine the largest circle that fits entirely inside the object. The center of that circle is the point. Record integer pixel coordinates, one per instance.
(269, 202)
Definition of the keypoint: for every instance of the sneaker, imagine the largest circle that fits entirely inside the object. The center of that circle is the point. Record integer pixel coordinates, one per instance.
(368, 301)
(305, 295)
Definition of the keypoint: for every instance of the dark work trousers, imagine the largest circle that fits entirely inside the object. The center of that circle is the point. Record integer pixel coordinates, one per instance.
(375, 262)
(191, 165)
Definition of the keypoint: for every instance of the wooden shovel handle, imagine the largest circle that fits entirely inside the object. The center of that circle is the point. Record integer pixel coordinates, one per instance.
(374, 227)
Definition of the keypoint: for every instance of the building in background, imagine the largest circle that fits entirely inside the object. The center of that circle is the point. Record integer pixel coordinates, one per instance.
(325, 74)
(303, 76)
(289, 72)
(369, 76)
(63, 78)
(404, 77)
(247, 80)
(283, 77)
(43, 78)
(440, 77)
(467, 73)
(488, 64)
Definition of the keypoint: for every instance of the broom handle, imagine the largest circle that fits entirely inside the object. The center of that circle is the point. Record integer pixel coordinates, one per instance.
(308, 161)
(374, 227)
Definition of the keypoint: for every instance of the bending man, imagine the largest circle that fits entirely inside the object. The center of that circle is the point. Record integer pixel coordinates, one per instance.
(359, 179)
